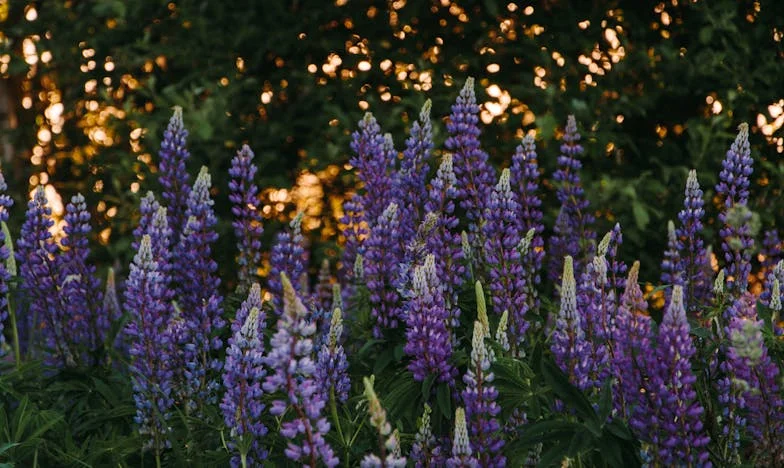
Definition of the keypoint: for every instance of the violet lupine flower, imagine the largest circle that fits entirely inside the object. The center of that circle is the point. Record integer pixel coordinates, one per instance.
(632, 341)
(198, 296)
(80, 290)
(570, 349)
(425, 452)
(443, 241)
(672, 272)
(374, 161)
(776, 273)
(243, 373)
(412, 183)
(428, 336)
(573, 235)
(691, 246)
(289, 256)
(6, 202)
(150, 350)
(681, 438)
(525, 183)
(771, 249)
(389, 441)
(755, 376)
(35, 254)
(292, 373)
(247, 223)
(616, 266)
(480, 406)
(596, 305)
(174, 176)
(382, 270)
(474, 173)
(462, 455)
(733, 190)
(253, 300)
(332, 365)
(502, 258)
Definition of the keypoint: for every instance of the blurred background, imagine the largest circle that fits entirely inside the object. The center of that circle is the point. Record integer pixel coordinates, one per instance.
(657, 88)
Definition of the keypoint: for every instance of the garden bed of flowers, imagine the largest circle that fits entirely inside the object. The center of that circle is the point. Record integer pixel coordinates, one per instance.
(454, 329)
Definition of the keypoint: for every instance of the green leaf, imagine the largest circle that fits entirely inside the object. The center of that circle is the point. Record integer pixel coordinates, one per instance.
(427, 386)
(571, 395)
(640, 212)
(444, 400)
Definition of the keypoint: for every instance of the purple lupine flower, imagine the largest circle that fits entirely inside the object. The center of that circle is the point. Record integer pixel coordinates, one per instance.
(502, 258)
(775, 306)
(755, 377)
(672, 271)
(632, 341)
(150, 350)
(289, 255)
(80, 290)
(242, 404)
(252, 300)
(474, 173)
(776, 273)
(374, 160)
(462, 455)
(389, 441)
(681, 437)
(428, 336)
(412, 183)
(382, 270)
(573, 235)
(247, 223)
(332, 365)
(571, 351)
(694, 258)
(616, 267)
(35, 254)
(442, 240)
(425, 452)
(771, 249)
(596, 305)
(198, 297)
(525, 183)
(174, 176)
(733, 190)
(481, 407)
(6, 202)
(292, 372)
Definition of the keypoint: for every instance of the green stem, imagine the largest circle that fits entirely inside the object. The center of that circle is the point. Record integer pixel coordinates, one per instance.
(334, 409)
(15, 333)
(244, 459)
(157, 459)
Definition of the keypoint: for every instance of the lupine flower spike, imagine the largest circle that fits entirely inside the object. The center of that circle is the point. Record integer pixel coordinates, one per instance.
(412, 184)
(426, 452)
(691, 246)
(288, 256)
(384, 255)
(733, 189)
(292, 371)
(243, 373)
(462, 454)
(572, 353)
(480, 406)
(332, 367)
(388, 441)
(247, 224)
(174, 175)
(6, 202)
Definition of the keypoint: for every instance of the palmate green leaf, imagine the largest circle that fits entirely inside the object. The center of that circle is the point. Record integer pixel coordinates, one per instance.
(571, 395)
(444, 400)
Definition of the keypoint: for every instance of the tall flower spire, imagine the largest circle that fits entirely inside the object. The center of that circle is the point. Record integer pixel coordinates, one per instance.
(569, 347)
(292, 374)
(412, 183)
(474, 173)
(462, 455)
(6, 202)
(733, 190)
(480, 406)
(502, 257)
(382, 269)
(681, 437)
(428, 336)
(145, 301)
(525, 183)
(332, 366)
(242, 405)
(80, 290)
(425, 452)
(573, 234)
(247, 224)
(173, 174)
(672, 271)
(694, 259)
(389, 441)
(289, 256)
(35, 253)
